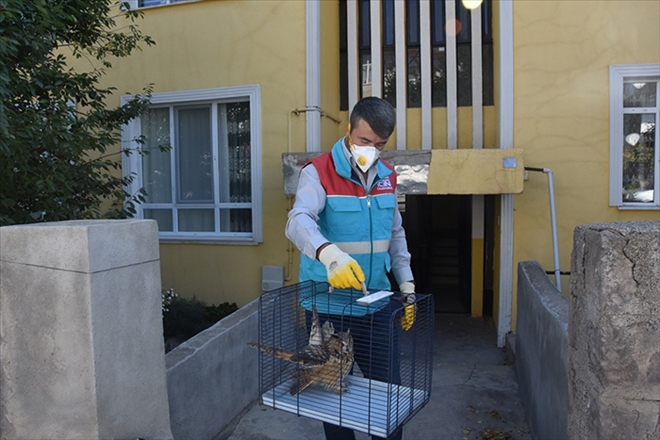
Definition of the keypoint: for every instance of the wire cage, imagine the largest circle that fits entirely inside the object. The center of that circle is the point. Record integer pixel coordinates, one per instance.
(353, 365)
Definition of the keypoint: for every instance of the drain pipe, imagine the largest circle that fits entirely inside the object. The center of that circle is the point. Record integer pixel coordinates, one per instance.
(553, 221)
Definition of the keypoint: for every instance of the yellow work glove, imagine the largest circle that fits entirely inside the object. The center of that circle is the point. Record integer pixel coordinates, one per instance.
(408, 290)
(343, 270)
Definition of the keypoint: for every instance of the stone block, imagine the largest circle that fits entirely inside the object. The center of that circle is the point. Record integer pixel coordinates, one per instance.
(82, 342)
(107, 244)
(614, 331)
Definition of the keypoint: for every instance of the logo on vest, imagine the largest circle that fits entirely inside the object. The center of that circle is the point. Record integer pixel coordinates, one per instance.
(384, 184)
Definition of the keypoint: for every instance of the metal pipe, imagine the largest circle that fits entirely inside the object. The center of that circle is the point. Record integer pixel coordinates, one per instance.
(553, 222)
(288, 269)
(297, 112)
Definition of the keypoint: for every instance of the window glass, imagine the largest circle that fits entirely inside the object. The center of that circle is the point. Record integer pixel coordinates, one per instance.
(388, 23)
(412, 55)
(389, 77)
(389, 61)
(196, 220)
(414, 78)
(194, 157)
(437, 23)
(162, 216)
(439, 84)
(156, 164)
(365, 24)
(234, 150)
(412, 22)
(638, 157)
(365, 61)
(464, 74)
(463, 24)
(236, 220)
(487, 81)
(639, 94)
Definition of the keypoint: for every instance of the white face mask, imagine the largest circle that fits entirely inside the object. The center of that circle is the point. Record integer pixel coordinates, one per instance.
(365, 157)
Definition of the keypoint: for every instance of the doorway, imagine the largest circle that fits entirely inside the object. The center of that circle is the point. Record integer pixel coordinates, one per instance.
(439, 233)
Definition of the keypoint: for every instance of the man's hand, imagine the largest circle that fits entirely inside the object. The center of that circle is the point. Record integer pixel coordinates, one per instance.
(407, 288)
(343, 270)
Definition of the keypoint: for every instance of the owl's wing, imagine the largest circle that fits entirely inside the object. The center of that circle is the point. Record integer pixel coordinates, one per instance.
(311, 356)
(278, 352)
(315, 331)
(307, 357)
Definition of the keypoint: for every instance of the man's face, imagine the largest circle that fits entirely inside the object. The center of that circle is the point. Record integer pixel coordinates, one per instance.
(361, 134)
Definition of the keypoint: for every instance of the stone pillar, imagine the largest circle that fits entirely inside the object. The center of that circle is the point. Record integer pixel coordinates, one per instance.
(81, 332)
(614, 332)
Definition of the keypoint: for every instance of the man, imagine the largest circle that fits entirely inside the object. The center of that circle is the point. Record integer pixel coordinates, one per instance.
(346, 223)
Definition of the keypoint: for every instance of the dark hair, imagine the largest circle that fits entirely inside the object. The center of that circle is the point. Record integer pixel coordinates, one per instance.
(376, 112)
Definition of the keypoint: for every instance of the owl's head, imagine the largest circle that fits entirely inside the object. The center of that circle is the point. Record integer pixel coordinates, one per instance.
(345, 342)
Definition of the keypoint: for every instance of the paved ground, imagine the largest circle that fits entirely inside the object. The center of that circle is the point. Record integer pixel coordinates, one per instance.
(474, 394)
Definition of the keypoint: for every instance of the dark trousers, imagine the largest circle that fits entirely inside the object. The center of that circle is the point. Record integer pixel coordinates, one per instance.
(334, 432)
(373, 340)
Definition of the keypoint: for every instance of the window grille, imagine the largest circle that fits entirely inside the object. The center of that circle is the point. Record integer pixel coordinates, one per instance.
(413, 52)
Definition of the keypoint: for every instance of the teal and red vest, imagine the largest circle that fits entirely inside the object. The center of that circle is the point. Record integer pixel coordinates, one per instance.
(359, 222)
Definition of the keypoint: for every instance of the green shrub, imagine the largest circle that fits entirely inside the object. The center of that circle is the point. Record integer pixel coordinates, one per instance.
(183, 318)
(216, 313)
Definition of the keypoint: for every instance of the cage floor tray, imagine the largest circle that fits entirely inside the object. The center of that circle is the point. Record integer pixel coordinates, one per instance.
(367, 406)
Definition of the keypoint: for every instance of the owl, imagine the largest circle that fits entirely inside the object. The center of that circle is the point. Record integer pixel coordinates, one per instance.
(326, 359)
(314, 353)
(331, 373)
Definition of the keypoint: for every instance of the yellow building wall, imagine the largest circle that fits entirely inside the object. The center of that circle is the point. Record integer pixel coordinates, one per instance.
(225, 43)
(562, 52)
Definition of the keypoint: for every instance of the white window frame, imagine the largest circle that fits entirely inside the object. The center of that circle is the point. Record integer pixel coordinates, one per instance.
(132, 164)
(618, 75)
(134, 4)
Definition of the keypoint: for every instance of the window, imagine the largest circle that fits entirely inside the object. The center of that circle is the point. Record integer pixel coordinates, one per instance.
(634, 147)
(206, 187)
(147, 3)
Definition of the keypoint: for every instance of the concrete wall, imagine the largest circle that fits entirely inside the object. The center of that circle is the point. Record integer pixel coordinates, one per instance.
(213, 377)
(614, 337)
(82, 336)
(541, 358)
